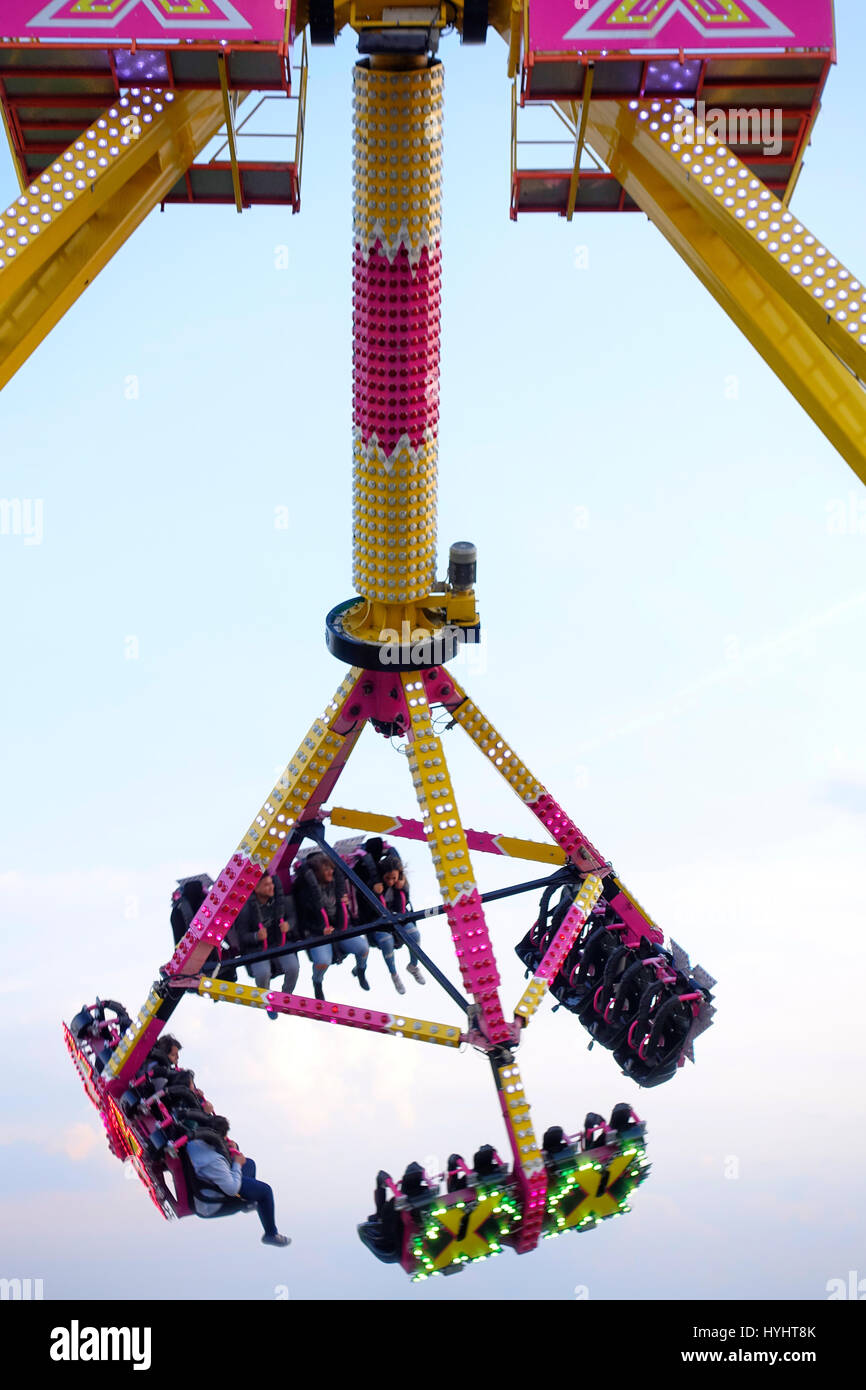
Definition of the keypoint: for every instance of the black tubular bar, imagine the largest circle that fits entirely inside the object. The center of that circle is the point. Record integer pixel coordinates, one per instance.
(558, 877)
(316, 831)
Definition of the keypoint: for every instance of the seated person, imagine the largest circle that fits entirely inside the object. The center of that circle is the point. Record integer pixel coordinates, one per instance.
(386, 876)
(186, 900)
(555, 1145)
(101, 1034)
(162, 1068)
(225, 1180)
(322, 903)
(262, 922)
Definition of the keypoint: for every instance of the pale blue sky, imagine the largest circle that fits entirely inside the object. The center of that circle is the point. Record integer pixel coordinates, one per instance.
(685, 673)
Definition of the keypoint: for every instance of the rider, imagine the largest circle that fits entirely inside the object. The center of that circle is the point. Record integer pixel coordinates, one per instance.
(227, 1182)
(322, 903)
(262, 922)
(395, 899)
(382, 870)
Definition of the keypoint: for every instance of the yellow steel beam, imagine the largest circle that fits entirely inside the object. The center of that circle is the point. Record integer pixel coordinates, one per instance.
(569, 930)
(58, 235)
(798, 162)
(350, 1016)
(514, 36)
(229, 114)
(800, 308)
(512, 846)
(8, 133)
(574, 181)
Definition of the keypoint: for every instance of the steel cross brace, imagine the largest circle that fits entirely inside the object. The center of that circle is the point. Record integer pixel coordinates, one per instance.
(421, 914)
(387, 919)
(350, 1016)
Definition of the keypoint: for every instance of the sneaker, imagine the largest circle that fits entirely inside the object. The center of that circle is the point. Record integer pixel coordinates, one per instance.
(276, 1239)
(398, 984)
(273, 1015)
(417, 974)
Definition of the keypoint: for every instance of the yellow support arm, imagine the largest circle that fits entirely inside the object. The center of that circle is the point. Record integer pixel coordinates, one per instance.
(510, 845)
(62, 230)
(800, 308)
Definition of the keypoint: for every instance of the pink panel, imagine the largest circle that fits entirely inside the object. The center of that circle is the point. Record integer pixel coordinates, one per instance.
(350, 1015)
(374, 695)
(572, 922)
(396, 345)
(566, 834)
(590, 26)
(147, 21)
(477, 962)
(216, 914)
(636, 924)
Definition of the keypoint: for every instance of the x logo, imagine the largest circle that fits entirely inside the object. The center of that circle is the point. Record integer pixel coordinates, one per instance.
(608, 19)
(464, 1225)
(171, 15)
(594, 1203)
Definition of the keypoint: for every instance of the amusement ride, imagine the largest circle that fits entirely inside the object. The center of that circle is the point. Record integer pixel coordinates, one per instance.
(110, 107)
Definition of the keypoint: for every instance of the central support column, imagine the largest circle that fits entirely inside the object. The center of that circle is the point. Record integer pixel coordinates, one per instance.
(397, 255)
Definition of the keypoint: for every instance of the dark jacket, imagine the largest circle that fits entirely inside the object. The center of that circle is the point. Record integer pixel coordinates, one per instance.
(367, 869)
(313, 909)
(270, 915)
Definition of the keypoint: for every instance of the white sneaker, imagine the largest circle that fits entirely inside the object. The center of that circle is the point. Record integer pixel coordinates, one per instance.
(417, 975)
(398, 984)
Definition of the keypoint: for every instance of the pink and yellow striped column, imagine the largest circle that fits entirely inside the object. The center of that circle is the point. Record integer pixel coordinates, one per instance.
(397, 255)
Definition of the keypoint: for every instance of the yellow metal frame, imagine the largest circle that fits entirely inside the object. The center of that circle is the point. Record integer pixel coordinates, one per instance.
(574, 181)
(19, 172)
(300, 129)
(510, 845)
(398, 1025)
(802, 310)
(798, 162)
(86, 204)
(229, 109)
(514, 37)
(440, 22)
(538, 986)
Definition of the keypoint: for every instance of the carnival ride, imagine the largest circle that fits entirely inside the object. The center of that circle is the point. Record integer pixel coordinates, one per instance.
(629, 79)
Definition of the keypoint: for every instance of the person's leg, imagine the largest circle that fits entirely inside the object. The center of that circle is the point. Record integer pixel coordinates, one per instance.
(413, 937)
(385, 941)
(357, 947)
(261, 1193)
(261, 973)
(321, 958)
(291, 970)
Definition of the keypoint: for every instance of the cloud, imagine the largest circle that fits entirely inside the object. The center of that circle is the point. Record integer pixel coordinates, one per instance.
(79, 1141)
